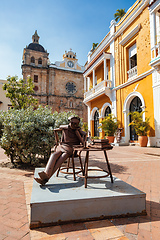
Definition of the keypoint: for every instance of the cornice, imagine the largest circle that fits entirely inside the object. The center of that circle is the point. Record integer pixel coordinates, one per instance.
(65, 69)
(130, 35)
(132, 17)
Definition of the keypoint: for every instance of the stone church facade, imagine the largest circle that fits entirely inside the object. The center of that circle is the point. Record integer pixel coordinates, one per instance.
(59, 85)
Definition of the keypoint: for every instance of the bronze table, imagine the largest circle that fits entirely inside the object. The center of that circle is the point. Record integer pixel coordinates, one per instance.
(86, 169)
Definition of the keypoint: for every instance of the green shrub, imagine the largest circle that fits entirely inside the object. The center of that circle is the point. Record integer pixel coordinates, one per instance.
(85, 127)
(62, 118)
(109, 125)
(2, 116)
(28, 134)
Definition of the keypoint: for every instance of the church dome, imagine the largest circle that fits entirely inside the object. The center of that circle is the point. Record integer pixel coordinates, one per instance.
(36, 47)
(35, 44)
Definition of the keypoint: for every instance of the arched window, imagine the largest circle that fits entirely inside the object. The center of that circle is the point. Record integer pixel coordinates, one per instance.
(135, 105)
(32, 60)
(96, 123)
(107, 111)
(40, 61)
(71, 104)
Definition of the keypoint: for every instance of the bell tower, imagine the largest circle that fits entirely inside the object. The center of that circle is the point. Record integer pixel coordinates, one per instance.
(35, 63)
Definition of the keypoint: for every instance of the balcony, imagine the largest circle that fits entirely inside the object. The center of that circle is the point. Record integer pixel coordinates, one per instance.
(155, 57)
(103, 87)
(132, 73)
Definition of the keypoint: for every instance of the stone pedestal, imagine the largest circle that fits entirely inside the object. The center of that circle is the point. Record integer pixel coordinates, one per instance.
(65, 200)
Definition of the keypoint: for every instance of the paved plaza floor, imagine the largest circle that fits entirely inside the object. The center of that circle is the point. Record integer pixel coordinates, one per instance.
(137, 166)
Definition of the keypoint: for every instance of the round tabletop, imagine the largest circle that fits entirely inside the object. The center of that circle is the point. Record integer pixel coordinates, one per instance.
(87, 149)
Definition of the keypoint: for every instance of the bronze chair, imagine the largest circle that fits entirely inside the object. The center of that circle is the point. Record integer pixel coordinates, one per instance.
(65, 170)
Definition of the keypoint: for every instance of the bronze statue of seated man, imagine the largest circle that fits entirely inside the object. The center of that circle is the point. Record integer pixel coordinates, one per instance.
(72, 135)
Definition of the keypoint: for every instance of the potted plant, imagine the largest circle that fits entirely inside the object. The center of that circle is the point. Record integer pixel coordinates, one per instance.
(109, 126)
(141, 127)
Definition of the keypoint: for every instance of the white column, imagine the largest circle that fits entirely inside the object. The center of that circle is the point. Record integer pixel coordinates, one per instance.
(107, 73)
(85, 81)
(105, 70)
(89, 118)
(153, 29)
(93, 77)
(88, 83)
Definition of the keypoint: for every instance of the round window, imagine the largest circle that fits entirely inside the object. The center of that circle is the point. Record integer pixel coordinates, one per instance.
(35, 88)
(71, 88)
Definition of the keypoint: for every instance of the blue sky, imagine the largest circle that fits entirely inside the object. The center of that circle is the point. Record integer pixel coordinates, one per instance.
(61, 25)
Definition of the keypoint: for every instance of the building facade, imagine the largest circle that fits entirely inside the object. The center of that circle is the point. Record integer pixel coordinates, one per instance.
(59, 85)
(122, 73)
(154, 10)
(5, 103)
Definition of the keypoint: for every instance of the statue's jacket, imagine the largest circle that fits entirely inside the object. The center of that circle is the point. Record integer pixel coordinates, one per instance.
(71, 137)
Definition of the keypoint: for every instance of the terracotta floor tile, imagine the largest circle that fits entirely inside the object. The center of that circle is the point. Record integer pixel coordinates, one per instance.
(145, 226)
(122, 238)
(13, 223)
(103, 230)
(48, 232)
(143, 234)
(132, 228)
(26, 237)
(155, 233)
(2, 236)
(10, 238)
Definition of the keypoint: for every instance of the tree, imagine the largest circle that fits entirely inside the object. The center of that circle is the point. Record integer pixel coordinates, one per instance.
(141, 126)
(20, 93)
(119, 14)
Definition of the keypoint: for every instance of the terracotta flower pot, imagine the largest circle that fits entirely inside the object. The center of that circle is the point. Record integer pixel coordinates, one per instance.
(143, 140)
(110, 138)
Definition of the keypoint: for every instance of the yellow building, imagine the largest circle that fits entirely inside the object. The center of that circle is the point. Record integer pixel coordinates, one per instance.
(119, 72)
(5, 103)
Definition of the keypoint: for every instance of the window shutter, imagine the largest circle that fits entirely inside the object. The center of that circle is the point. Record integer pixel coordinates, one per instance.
(132, 50)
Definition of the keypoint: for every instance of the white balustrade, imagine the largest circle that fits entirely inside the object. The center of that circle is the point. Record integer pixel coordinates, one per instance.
(155, 51)
(98, 88)
(132, 73)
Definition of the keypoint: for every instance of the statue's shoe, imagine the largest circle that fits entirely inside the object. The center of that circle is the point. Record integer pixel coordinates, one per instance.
(43, 175)
(40, 181)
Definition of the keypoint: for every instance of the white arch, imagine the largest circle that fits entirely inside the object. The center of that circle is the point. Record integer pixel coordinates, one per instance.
(105, 105)
(93, 112)
(126, 106)
(129, 98)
